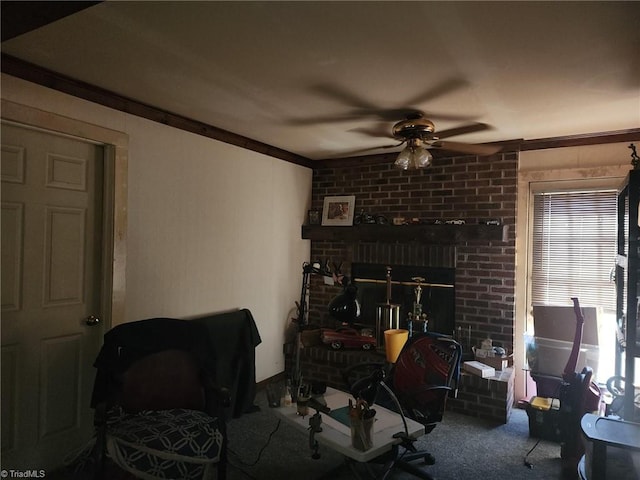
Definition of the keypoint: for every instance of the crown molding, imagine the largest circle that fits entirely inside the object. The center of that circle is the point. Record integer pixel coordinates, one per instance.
(33, 73)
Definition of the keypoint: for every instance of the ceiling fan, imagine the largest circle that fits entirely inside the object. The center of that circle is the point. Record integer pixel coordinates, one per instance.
(360, 107)
(416, 131)
(419, 135)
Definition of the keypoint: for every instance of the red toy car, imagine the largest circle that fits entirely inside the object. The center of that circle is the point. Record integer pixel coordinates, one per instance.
(347, 338)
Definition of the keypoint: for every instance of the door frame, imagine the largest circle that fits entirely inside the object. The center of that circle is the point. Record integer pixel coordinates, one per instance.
(114, 239)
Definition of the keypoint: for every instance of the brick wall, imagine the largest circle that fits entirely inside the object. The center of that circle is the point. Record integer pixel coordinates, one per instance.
(488, 398)
(321, 364)
(469, 188)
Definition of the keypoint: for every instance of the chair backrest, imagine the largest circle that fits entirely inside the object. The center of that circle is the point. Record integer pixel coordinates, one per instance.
(154, 364)
(162, 381)
(425, 374)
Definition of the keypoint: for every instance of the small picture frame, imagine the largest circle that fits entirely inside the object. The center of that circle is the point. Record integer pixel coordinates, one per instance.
(314, 217)
(338, 211)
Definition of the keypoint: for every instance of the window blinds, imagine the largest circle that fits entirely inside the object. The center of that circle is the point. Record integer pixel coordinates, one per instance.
(574, 248)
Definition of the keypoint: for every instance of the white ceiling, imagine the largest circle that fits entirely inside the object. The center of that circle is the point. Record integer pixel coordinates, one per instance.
(317, 78)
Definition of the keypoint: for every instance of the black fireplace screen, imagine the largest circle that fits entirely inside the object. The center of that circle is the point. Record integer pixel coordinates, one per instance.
(437, 300)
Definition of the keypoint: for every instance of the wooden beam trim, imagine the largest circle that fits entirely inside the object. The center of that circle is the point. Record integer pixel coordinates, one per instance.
(618, 136)
(50, 79)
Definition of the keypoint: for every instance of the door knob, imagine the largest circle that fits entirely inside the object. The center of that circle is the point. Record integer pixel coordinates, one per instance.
(92, 320)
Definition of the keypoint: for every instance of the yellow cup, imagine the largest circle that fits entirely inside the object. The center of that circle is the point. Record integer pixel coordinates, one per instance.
(394, 340)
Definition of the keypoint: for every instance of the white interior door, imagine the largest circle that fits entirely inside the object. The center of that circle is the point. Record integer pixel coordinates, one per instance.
(51, 259)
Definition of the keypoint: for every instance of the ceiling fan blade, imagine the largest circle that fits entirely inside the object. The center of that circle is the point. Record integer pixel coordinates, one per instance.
(381, 131)
(344, 96)
(443, 88)
(361, 107)
(447, 117)
(353, 153)
(468, 148)
(357, 107)
(392, 146)
(470, 128)
(322, 119)
(395, 114)
(386, 115)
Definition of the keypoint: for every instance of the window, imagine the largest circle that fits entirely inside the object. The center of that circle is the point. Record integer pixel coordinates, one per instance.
(574, 248)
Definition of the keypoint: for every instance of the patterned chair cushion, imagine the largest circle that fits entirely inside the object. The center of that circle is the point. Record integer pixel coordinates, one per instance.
(178, 443)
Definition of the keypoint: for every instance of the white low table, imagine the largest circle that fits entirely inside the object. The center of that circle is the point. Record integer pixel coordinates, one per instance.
(337, 436)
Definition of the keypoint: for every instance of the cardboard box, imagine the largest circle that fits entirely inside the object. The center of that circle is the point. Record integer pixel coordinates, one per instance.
(554, 329)
(479, 369)
(559, 323)
(499, 363)
(549, 357)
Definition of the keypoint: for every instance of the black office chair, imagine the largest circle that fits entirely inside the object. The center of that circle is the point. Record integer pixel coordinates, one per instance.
(425, 374)
(158, 413)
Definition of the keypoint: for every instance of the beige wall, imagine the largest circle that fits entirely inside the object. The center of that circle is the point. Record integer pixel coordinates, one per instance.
(211, 227)
(588, 166)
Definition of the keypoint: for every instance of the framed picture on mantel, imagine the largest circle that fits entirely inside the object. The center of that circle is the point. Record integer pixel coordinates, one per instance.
(338, 211)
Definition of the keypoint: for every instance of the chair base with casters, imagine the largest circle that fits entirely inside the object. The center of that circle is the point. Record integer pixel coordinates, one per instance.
(405, 457)
(416, 386)
(158, 413)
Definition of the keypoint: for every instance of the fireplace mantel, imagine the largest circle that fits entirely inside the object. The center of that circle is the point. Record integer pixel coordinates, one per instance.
(434, 234)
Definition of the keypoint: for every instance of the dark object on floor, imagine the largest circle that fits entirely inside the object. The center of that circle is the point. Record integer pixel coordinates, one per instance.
(156, 405)
(543, 416)
(423, 377)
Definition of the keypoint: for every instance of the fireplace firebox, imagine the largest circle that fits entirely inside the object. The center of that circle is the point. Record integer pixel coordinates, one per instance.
(437, 298)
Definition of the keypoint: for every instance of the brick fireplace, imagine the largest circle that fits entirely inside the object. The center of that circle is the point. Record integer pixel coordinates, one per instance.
(470, 188)
(474, 189)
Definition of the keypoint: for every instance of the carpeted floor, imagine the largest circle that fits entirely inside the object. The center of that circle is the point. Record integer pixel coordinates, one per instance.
(263, 448)
(464, 447)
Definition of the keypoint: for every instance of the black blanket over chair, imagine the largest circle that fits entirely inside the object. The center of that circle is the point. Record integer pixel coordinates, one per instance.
(164, 388)
(234, 337)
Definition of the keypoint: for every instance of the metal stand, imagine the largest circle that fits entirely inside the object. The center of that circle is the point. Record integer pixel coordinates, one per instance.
(308, 269)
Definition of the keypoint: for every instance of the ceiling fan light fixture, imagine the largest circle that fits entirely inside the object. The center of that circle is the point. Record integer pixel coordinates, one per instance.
(403, 160)
(422, 158)
(414, 156)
